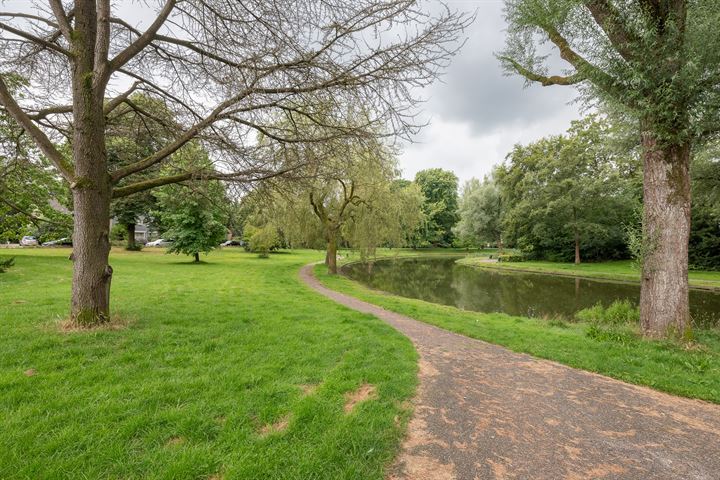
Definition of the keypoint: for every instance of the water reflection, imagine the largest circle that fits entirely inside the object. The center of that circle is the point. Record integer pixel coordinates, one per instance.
(441, 280)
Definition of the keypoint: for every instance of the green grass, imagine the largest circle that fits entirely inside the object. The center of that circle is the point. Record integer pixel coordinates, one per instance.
(619, 353)
(611, 270)
(213, 352)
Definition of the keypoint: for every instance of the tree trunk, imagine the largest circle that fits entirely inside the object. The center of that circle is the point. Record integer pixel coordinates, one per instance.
(577, 237)
(90, 304)
(331, 255)
(577, 248)
(197, 257)
(664, 303)
(130, 236)
(500, 245)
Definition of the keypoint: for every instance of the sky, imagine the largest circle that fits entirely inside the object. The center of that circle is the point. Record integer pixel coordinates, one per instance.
(476, 113)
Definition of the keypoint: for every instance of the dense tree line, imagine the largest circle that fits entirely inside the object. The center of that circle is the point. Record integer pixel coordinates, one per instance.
(578, 197)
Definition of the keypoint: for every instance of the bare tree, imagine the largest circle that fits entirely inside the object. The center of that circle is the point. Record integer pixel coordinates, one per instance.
(227, 69)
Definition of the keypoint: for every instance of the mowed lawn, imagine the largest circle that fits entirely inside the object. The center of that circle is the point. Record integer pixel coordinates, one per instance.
(231, 369)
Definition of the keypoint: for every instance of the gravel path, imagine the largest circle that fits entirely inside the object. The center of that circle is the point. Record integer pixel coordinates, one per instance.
(484, 412)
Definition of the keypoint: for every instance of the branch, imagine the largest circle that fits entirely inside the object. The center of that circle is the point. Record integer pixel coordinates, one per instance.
(42, 141)
(542, 79)
(144, 40)
(247, 176)
(62, 19)
(35, 40)
(610, 20)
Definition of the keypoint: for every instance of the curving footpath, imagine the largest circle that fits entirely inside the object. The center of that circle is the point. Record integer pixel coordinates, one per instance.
(484, 412)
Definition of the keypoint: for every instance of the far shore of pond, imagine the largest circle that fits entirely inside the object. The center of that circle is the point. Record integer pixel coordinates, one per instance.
(617, 270)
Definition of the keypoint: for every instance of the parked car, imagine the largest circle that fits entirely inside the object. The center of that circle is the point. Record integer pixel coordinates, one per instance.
(233, 243)
(61, 242)
(160, 242)
(29, 241)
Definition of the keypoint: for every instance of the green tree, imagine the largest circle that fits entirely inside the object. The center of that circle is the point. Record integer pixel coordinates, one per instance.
(480, 212)
(704, 249)
(132, 136)
(656, 60)
(33, 199)
(569, 196)
(192, 217)
(440, 188)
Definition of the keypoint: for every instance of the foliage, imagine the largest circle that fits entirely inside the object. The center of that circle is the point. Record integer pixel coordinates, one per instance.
(619, 312)
(580, 188)
(32, 197)
(705, 229)
(192, 217)
(212, 354)
(6, 263)
(262, 240)
(480, 212)
(511, 257)
(440, 188)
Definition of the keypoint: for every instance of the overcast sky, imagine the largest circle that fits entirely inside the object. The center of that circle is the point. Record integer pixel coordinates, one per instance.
(476, 113)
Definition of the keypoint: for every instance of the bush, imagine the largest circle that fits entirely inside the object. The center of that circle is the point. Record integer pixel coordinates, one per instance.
(118, 232)
(511, 257)
(6, 263)
(620, 312)
(263, 240)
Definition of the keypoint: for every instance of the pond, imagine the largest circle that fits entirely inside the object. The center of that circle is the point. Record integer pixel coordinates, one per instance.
(441, 280)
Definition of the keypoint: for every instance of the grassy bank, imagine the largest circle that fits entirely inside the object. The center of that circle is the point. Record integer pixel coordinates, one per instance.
(692, 371)
(622, 270)
(229, 369)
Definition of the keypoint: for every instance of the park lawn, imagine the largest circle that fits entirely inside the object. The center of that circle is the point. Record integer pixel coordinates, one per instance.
(213, 355)
(691, 371)
(612, 270)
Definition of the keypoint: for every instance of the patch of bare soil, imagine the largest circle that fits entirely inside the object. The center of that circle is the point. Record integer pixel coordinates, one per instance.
(116, 322)
(30, 372)
(277, 427)
(362, 394)
(309, 388)
(174, 441)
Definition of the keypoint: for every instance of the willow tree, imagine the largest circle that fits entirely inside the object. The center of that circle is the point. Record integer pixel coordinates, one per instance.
(658, 61)
(224, 68)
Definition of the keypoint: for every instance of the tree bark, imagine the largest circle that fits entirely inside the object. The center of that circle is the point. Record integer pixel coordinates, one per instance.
(197, 257)
(90, 304)
(130, 236)
(331, 255)
(664, 302)
(577, 248)
(577, 238)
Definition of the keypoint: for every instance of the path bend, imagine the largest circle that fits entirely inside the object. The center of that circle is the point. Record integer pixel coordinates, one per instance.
(485, 412)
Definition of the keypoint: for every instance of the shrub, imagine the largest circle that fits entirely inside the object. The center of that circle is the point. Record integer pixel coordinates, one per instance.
(263, 240)
(511, 257)
(6, 263)
(620, 312)
(118, 232)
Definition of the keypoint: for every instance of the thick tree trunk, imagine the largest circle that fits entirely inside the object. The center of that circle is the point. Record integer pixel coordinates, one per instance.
(331, 255)
(130, 236)
(664, 303)
(92, 274)
(197, 257)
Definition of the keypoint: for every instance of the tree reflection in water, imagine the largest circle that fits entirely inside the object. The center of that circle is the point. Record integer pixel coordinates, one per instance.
(441, 280)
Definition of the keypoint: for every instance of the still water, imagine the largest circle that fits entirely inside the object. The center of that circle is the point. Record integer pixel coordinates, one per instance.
(441, 280)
